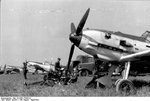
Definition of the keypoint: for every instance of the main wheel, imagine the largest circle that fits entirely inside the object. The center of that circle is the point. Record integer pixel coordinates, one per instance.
(125, 87)
(117, 81)
(84, 73)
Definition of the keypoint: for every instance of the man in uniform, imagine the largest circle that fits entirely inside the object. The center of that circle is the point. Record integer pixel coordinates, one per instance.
(57, 65)
(25, 70)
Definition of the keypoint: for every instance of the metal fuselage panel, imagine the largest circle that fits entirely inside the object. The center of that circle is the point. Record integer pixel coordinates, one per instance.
(107, 45)
(30, 65)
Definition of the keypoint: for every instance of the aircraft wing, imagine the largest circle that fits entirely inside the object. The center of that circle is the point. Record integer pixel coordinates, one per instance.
(18, 67)
(135, 56)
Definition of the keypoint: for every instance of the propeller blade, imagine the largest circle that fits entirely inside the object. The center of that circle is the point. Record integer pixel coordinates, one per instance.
(82, 22)
(70, 56)
(73, 28)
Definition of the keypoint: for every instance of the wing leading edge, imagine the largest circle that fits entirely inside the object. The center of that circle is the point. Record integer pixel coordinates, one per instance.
(135, 56)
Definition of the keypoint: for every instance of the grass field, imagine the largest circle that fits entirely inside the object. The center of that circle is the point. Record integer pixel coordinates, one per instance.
(12, 85)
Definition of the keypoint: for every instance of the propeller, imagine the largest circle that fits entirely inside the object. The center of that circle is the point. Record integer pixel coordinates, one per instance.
(82, 22)
(73, 28)
(70, 55)
(75, 33)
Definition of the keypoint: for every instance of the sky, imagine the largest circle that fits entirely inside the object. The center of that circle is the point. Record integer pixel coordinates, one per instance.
(38, 30)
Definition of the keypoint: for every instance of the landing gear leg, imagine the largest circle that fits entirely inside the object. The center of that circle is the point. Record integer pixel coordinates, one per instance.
(126, 71)
(125, 86)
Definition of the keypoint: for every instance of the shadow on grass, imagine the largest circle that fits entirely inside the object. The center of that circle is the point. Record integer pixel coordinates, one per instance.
(40, 83)
(141, 83)
(35, 83)
(32, 84)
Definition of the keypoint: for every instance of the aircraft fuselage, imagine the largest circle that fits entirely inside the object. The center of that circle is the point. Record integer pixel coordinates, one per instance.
(109, 46)
(45, 67)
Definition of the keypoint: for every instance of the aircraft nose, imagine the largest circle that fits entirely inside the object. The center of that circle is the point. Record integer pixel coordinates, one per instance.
(75, 39)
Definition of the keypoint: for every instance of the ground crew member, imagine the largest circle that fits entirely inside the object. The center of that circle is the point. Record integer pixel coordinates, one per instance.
(25, 70)
(57, 65)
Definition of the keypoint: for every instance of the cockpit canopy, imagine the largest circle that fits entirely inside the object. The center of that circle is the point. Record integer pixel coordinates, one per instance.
(146, 36)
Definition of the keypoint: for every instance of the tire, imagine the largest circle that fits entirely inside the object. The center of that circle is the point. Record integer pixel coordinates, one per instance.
(117, 81)
(125, 87)
(84, 73)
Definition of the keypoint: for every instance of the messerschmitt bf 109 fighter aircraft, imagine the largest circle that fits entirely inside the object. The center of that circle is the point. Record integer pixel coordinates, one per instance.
(9, 69)
(52, 75)
(113, 48)
(13, 69)
(46, 66)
